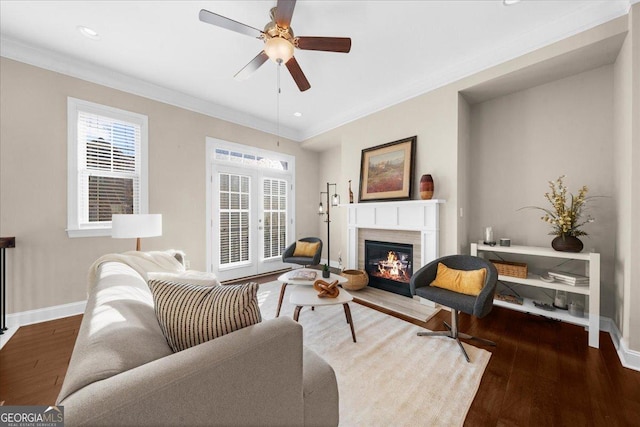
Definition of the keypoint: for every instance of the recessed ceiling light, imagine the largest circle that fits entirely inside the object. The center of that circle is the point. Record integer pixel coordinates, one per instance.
(510, 2)
(297, 114)
(88, 32)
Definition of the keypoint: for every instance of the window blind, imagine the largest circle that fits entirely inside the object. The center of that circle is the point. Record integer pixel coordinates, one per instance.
(274, 193)
(109, 167)
(234, 218)
(250, 159)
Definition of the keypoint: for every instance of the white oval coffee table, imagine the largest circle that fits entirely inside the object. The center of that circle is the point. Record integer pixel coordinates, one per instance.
(307, 296)
(289, 278)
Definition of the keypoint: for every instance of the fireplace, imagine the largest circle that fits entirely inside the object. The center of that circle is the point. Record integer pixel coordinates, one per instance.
(389, 266)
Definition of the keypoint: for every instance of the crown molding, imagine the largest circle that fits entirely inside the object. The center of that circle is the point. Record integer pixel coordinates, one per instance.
(53, 61)
(589, 16)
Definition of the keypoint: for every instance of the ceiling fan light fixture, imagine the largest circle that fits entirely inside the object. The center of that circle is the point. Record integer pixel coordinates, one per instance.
(278, 49)
(510, 2)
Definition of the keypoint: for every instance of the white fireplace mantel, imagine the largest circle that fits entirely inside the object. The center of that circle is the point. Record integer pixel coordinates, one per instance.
(410, 215)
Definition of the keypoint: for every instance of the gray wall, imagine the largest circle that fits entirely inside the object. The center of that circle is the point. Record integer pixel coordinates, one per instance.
(330, 164)
(433, 118)
(466, 174)
(47, 268)
(633, 256)
(560, 120)
(627, 179)
(521, 141)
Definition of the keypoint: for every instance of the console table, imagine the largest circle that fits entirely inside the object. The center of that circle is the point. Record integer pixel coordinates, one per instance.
(592, 291)
(5, 242)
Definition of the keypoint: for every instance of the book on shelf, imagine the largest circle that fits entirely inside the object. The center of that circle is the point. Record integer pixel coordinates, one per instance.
(303, 275)
(571, 283)
(569, 278)
(509, 298)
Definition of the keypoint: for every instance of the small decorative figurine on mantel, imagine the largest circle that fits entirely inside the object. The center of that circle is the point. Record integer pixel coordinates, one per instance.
(350, 193)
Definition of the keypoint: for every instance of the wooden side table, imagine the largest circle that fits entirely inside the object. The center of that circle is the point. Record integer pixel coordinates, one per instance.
(306, 296)
(5, 242)
(286, 280)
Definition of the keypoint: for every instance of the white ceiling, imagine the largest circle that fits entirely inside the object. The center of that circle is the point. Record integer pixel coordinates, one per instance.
(400, 49)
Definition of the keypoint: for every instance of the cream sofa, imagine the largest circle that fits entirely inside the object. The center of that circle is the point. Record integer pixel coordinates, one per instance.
(123, 373)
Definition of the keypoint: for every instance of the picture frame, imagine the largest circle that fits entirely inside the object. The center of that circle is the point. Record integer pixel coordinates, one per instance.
(386, 171)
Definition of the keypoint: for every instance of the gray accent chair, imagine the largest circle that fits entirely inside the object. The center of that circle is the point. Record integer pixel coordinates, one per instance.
(478, 306)
(287, 255)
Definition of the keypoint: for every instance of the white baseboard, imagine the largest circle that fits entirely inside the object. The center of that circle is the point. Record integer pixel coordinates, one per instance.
(15, 320)
(629, 358)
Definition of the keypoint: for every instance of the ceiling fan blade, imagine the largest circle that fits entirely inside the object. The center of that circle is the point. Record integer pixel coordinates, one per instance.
(284, 12)
(297, 74)
(252, 66)
(327, 44)
(229, 24)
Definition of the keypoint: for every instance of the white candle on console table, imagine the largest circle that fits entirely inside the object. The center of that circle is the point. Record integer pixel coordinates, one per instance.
(488, 235)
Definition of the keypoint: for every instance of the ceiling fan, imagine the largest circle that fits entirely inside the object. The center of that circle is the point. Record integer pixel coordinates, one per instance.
(279, 41)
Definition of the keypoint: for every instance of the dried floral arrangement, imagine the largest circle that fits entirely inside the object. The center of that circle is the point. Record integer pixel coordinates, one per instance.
(566, 214)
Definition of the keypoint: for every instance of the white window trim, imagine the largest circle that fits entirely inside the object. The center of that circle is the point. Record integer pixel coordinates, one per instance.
(74, 229)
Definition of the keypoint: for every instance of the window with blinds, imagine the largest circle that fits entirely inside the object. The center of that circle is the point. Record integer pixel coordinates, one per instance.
(109, 167)
(235, 193)
(107, 148)
(250, 159)
(274, 193)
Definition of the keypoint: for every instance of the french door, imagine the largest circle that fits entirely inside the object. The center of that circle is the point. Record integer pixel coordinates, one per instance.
(250, 217)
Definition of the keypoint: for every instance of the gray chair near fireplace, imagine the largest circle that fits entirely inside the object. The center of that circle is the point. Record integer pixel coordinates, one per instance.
(287, 255)
(478, 306)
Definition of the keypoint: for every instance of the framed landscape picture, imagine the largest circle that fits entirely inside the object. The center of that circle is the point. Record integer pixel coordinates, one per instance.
(386, 171)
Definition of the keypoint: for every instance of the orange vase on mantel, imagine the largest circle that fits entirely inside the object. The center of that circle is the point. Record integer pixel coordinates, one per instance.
(426, 187)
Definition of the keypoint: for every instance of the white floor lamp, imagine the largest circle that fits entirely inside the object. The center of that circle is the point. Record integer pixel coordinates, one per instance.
(136, 226)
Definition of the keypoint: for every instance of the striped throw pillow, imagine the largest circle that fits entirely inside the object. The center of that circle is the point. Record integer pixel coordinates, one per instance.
(192, 314)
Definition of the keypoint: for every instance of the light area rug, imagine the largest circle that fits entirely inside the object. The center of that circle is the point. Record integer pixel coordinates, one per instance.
(390, 377)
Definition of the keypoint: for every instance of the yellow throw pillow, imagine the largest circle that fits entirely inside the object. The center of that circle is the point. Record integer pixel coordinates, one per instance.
(306, 249)
(461, 281)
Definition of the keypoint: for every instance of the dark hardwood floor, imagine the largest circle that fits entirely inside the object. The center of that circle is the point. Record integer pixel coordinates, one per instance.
(542, 373)
(34, 361)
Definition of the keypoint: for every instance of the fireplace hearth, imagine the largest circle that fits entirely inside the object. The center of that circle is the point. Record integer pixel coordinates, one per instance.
(389, 266)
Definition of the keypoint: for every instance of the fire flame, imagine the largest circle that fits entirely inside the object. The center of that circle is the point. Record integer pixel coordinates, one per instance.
(392, 268)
